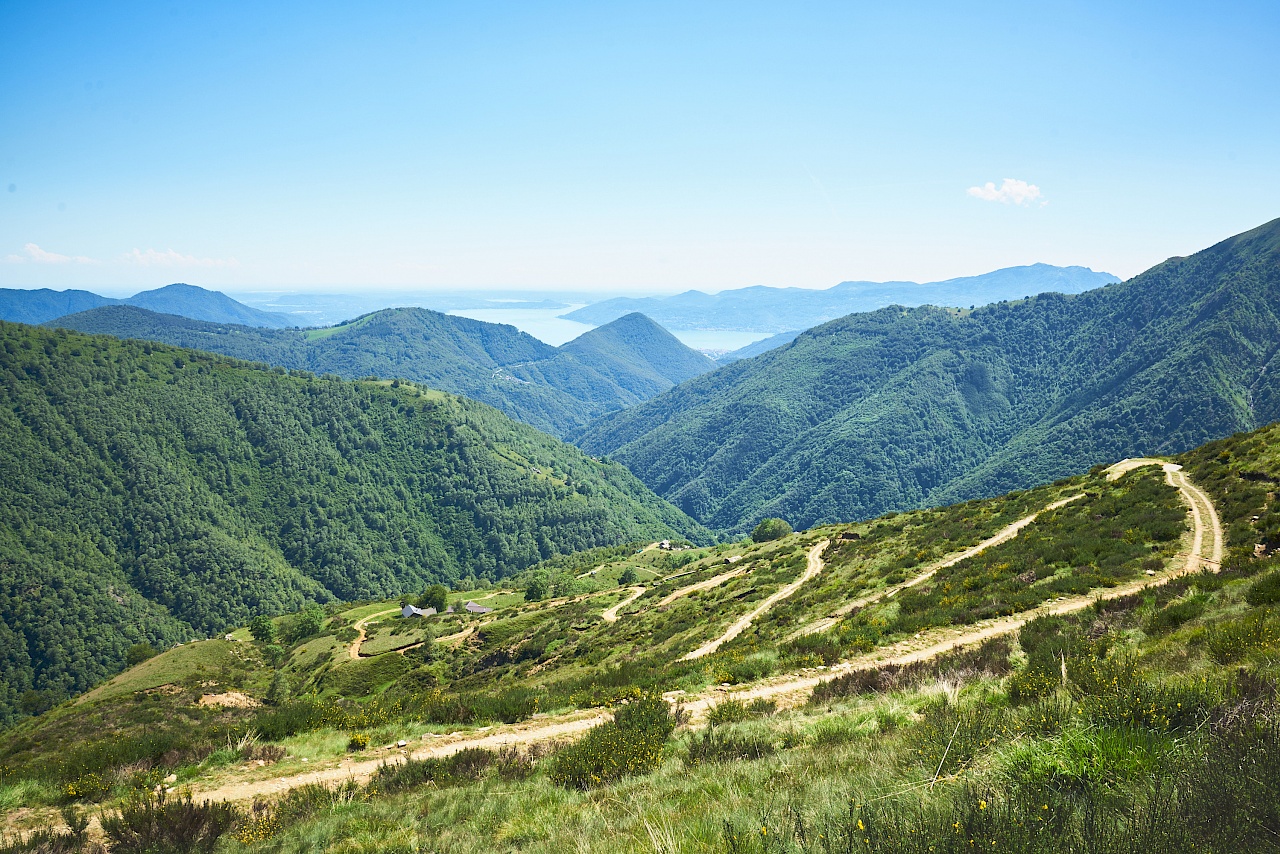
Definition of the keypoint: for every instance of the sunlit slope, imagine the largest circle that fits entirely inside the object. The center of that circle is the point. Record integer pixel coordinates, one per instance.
(904, 408)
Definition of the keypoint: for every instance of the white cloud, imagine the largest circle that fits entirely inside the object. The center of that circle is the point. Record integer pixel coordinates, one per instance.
(36, 255)
(170, 258)
(1011, 191)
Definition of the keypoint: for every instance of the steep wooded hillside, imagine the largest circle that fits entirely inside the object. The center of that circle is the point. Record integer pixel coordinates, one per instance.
(557, 390)
(911, 407)
(149, 493)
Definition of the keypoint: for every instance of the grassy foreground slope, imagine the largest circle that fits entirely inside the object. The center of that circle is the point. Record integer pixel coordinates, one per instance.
(969, 403)
(151, 494)
(1134, 709)
(557, 390)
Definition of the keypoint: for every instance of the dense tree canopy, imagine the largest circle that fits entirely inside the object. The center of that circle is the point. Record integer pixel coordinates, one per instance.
(150, 494)
(556, 389)
(904, 408)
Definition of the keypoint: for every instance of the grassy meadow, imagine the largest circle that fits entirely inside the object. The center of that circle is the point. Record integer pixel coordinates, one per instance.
(1147, 722)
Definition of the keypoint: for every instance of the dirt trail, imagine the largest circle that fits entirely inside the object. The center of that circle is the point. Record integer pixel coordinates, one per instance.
(706, 584)
(610, 615)
(1204, 515)
(360, 636)
(813, 567)
(789, 690)
(1004, 535)
(1205, 527)
(361, 770)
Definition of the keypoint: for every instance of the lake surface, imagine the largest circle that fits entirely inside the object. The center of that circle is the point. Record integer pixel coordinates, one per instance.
(546, 325)
(541, 323)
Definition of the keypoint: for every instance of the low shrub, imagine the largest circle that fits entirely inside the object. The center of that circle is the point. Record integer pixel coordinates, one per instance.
(1233, 789)
(158, 824)
(1232, 640)
(358, 741)
(267, 819)
(749, 668)
(947, 738)
(1117, 693)
(726, 745)
(88, 787)
(821, 647)
(1264, 591)
(727, 712)
(632, 743)
(988, 659)
(74, 840)
(1175, 614)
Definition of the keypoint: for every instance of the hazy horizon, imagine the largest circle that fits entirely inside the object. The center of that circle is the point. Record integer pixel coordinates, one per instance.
(625, 148)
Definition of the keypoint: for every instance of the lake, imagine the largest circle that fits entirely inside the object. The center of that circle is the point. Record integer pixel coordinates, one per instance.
(546, 325)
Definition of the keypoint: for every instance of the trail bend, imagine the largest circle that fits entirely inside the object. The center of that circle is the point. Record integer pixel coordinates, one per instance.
(1002, 536)
(610, 614)
(813, 566)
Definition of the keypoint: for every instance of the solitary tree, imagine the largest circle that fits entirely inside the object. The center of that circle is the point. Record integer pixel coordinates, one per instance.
(139, 653)
(436, 596)
(304, 624)
(263, 629)
(628, 577)
(770, 529)
(537, 587)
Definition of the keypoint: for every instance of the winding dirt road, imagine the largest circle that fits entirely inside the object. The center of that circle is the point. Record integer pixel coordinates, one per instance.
(706, 584)
(360, 770)
(354, 649)
(610, 615)
(1003, 535)
(812, 568)
(1205, 548)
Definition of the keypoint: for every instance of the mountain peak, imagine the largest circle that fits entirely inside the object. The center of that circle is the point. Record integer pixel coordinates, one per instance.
(639, 354)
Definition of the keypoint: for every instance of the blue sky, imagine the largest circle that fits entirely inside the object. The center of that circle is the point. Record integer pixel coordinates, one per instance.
(624, 146)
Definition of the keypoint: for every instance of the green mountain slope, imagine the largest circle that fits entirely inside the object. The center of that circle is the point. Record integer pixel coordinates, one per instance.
(558, 390)
(911, 407)
(149, 493)
(638, 355)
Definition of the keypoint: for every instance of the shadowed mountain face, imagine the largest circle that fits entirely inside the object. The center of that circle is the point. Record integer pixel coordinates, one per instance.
(149, 493)
(40, 306)
(763, 309)
(911, 407)
(558, 390)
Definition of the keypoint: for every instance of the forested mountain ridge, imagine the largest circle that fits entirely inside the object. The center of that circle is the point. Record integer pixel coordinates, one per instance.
(39, 306)
(558, 390)
(150, 493)
(638, 355)
(766, 309)
(911, 407)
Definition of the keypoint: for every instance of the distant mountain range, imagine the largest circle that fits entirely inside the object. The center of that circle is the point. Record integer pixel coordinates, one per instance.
(764, 309)
(559, 390)
(910, 407)
(40, 306)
